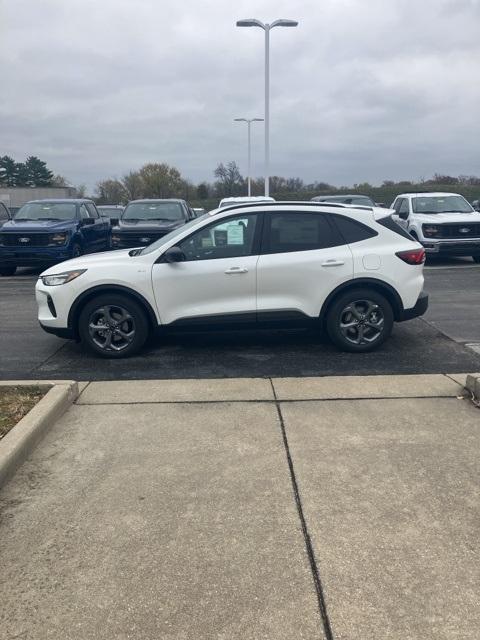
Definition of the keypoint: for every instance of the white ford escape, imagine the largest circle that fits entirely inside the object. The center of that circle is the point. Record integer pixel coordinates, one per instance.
(350, 270)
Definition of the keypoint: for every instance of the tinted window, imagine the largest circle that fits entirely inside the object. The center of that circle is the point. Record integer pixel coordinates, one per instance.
(390, 223)
(226, 239)
(353, 231)
(285, 232)
(91, 210)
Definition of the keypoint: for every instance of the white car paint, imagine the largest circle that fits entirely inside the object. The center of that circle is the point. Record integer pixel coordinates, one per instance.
(296, 281)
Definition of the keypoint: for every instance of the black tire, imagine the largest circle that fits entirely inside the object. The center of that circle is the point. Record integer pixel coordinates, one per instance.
(476, 259)
(344, 327)
(76, 250)
(111, 342)
(7, 271)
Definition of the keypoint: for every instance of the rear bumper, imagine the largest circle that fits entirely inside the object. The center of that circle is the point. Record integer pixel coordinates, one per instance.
(418, 310)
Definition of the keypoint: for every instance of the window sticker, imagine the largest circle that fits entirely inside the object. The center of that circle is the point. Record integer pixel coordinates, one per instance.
(235, 234)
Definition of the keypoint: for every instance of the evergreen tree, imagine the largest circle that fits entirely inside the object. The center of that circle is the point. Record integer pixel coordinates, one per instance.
(38, 173)
(8, 175)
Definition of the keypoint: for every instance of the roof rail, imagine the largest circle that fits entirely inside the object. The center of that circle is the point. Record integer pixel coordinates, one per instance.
(315, 205)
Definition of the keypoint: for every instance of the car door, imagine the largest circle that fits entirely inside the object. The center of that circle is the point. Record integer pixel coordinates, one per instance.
(4, 214)
(303, 259)
(217, 279)
(100, 228)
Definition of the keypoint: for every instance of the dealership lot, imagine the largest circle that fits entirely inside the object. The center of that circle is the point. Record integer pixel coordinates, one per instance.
(430, 345)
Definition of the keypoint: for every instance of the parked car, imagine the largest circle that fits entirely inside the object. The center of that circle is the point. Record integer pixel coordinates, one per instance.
(145, 221)
(45, 232)
(228, 202)
(5, 214)
(351, 272)
(110, 210)
(346, 199)
(444, 223)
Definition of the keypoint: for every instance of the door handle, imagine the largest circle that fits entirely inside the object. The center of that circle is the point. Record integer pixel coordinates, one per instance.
(333, 263)
(233, 270)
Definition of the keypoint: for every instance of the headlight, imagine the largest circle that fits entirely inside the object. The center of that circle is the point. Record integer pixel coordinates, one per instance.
(58, 238)
(61, 278)
(431, 230)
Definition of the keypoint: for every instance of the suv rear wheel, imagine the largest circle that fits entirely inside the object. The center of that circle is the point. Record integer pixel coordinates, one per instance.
(359, 320)
(113, 325)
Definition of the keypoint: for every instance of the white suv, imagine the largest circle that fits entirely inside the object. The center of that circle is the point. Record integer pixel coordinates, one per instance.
(444, 223)
(352, 271)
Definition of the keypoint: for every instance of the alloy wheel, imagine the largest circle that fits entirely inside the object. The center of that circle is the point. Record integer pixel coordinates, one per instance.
(111, 327)
(362, 322)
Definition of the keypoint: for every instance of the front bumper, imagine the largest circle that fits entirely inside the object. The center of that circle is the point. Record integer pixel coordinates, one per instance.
(418, 310)
(60, 332)
(452, 247)
(34, 257)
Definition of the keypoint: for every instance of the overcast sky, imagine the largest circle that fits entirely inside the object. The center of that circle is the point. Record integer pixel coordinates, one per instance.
(360, 90)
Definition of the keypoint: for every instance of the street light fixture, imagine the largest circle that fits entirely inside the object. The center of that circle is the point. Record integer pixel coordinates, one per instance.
(253, 22)
(249, 122)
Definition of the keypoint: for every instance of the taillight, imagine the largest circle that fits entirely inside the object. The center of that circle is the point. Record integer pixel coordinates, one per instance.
(413, 256)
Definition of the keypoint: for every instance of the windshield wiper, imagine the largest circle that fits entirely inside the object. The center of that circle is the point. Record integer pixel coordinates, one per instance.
(162, 219)
(58, 219)
(25, 219)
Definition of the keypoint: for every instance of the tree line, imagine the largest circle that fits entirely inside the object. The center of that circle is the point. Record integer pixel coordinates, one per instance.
(160, 180)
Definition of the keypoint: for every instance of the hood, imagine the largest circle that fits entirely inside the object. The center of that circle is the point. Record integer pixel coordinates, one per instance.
(106, 258)
(24, 226)
(450, 218)
(141, 226)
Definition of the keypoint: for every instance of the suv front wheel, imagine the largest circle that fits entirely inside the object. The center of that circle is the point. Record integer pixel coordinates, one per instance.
(359, 320)
(113, 326)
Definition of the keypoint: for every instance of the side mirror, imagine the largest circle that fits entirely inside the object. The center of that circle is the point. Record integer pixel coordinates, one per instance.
(403, 215)
(87, 221)
(173, 254)
(113, 222)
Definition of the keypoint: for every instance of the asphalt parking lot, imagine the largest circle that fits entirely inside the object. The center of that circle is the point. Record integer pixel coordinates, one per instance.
(434, 344)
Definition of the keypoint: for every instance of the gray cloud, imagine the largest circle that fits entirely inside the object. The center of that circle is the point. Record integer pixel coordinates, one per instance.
(360, 91)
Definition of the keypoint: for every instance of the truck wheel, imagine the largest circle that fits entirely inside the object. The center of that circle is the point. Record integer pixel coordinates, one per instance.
(76, 250)
(359, 320)
(8, 271)
(113, 326)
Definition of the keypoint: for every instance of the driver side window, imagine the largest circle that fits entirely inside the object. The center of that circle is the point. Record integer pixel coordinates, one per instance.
(83, 212)
(229, 238)
(404, 206)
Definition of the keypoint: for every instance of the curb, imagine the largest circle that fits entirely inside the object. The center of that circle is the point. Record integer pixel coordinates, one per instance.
(473, 385)
(22, 439)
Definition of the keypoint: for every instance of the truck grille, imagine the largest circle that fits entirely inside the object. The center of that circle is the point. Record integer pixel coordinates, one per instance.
(460, 231)
(139, 239)
(25, 240)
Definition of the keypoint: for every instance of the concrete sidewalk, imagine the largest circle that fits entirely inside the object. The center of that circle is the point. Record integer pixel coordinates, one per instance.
(314, 508)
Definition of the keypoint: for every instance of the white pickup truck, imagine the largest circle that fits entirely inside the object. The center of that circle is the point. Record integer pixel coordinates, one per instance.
(444, 223)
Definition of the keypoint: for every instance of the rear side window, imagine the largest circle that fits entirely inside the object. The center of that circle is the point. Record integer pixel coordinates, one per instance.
(389, 223)
(352, 230)
(290, 231)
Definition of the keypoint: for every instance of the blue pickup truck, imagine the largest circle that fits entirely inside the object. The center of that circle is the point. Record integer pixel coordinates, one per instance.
(44, 232)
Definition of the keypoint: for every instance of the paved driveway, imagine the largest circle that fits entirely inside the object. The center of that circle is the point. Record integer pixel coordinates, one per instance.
(416, 347)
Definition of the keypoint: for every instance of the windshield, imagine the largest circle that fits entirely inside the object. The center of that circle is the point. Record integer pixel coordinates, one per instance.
(47, 211)
(441, 204)
(171, 235)
(153, 211)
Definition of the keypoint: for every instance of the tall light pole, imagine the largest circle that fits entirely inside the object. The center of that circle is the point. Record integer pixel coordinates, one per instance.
(249, 122)
(253, 22)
